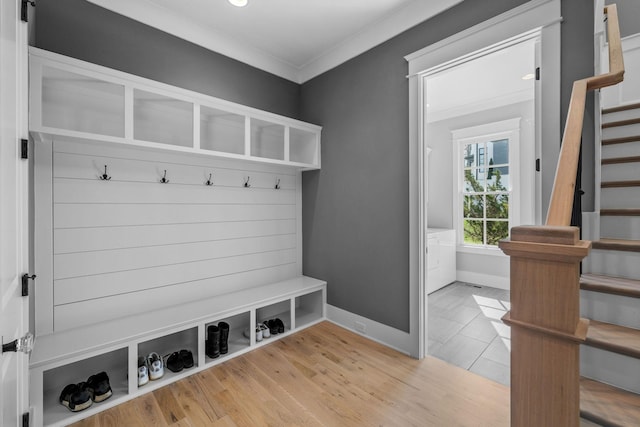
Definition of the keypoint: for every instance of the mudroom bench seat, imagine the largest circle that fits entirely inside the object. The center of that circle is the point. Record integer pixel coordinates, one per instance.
(114, 346)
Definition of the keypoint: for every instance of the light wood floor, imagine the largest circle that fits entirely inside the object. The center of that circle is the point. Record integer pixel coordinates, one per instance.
(321, 376)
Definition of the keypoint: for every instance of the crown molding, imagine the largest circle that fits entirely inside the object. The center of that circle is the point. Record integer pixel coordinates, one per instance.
(372, 35)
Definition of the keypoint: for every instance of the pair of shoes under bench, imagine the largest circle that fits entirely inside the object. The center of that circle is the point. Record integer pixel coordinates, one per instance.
(77, 397)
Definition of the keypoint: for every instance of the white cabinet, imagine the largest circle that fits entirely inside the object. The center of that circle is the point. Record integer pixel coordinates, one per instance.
(441, 258)
(73, 98)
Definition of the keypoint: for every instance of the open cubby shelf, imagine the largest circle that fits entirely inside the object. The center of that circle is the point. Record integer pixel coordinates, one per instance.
(114, 347)
(73, 98)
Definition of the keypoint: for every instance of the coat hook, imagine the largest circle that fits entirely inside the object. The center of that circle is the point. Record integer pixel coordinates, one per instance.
(246, 183)
(105, 176)
(209, 182)
(277, 187)
(164, 179)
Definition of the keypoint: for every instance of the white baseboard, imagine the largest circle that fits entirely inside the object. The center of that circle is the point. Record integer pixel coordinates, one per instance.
(490, 280)
(375, 331)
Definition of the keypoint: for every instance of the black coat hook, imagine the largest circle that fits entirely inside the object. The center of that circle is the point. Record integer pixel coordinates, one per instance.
(246, 183)
(164, 179)
(209, 182)
(104, 176)
(277, 187)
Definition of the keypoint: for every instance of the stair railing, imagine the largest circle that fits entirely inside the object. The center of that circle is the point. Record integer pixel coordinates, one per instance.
(546, 328)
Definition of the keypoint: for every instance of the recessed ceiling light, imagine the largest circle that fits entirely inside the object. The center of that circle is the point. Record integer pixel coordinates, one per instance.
(239, 3)
(528, 76)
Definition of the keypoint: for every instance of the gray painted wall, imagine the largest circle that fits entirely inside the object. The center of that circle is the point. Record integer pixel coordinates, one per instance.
(82, 30)
(578, 63)
(629, 15)
(355, 210)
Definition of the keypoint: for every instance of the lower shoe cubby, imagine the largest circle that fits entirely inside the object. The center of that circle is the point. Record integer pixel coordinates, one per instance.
(280, 310)
(237, 341)
(309, 308)
(114, 363)
(167, 344)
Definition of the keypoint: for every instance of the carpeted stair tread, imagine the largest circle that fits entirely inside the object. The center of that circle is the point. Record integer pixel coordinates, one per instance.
(622, 140)
(621, 108)
(620, 184)
(620, 212)
(607, 405)
(610, 285)
(617, 245)
(618, 160)
(616, 338)
(620, 123)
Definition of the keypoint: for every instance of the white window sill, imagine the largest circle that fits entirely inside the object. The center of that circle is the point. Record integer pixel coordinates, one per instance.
(468, 249)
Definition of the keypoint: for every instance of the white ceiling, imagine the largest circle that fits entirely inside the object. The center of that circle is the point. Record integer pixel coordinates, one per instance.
(490, 81)
(294, 39)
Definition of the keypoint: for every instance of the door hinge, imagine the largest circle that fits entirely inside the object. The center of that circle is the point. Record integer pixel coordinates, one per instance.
(25, 283)
(25, 419)
(537, 73)
(24, 11)
(24, 148)
(537, 165)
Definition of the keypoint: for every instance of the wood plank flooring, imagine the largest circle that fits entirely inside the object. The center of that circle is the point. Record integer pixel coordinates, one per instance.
(321, 376)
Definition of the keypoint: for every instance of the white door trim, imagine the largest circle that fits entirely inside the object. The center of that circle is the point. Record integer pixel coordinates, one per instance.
(537, 15)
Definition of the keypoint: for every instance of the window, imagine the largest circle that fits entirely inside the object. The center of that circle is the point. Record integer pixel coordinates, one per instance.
(486, 165)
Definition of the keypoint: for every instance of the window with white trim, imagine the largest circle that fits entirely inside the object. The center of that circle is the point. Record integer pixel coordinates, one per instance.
(486, 170)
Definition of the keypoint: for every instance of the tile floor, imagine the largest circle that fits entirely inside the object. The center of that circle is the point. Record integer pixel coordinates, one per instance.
(465, 329)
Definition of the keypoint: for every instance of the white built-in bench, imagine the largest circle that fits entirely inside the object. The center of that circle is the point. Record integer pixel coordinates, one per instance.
(114, 346)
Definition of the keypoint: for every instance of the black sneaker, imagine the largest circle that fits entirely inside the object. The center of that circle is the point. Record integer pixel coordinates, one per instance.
(174, 362)
(76, 397)
(99, 387)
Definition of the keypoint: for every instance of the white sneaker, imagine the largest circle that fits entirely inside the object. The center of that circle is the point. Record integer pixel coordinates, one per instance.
(143, 372)
(258, 333)
(156, 368)
(266, 333)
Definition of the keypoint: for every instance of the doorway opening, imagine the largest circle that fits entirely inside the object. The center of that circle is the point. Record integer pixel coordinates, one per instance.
(479, 141)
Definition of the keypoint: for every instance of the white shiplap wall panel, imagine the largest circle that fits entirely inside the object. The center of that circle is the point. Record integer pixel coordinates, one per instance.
(111, 215)
(118, 192)
(80, 166)
(132, 243)
(122, 282)
(99, 238)
(92, 263)
(97, 310)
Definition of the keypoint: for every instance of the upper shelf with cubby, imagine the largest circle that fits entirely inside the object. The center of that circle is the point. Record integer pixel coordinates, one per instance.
(77, 99)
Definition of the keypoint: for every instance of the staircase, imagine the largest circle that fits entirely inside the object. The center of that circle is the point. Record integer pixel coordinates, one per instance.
(610, 291)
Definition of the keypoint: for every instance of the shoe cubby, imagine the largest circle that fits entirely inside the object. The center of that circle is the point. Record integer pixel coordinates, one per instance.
(237, 341)
(159, 118)
(221, 131)
(167, 344)
(280, 310)
(309, 308)
(303, 146)
(72, 98)
(114, 363)
(72, 356)
(267, 139)
(81, 103)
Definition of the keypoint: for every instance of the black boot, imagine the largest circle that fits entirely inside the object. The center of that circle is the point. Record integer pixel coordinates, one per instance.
(212, 347)
(224, 337)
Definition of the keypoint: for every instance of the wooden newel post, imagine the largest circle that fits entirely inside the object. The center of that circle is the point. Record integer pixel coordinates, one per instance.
(546, 328)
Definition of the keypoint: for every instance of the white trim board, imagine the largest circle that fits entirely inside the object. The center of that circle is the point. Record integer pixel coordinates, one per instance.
(540, 16)
(375, 331)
